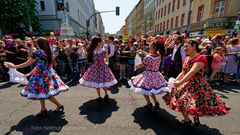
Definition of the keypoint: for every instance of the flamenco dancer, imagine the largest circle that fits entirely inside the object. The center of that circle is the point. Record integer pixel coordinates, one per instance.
(44, 82)
(151, 81)
(192, 95)
(98, 75)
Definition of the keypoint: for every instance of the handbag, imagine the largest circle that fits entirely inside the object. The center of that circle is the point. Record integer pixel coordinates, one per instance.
(137, 61)
(17, 77)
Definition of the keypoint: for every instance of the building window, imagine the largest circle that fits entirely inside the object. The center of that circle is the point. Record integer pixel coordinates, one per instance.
(158, 13)
(171, 23)
(169, 7)
(162, 12)
(178, 4)
(182, 19)
(157, 2)
(184, 2)
(163, 25)
(219, 8)
(165, 10)
(60, 5)
(176, 22)
(200, 13)
(167, 24)
(42, 5)
(173, 5)
(160, 26)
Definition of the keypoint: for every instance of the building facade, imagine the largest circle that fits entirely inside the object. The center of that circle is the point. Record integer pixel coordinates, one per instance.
(171, 15)
(134, 21)
(121, 31)
(129, 23)
(197, 17)
(53, 13)
(211, 17)
(149, 9)
(138, 19)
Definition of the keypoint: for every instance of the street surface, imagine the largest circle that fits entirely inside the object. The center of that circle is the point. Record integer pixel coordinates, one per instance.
(122, 115)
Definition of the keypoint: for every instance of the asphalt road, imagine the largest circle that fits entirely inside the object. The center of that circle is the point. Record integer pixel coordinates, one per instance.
(122, 115)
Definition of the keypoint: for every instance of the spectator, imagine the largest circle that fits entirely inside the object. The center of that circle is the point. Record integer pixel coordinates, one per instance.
(232, 62)
(82, 57)
(206, 47)
(216, 62)
(72, 59)
(3, 73)
(61, 60)
(112, 54)
(22, 55)
(177, 58)
(10, 50)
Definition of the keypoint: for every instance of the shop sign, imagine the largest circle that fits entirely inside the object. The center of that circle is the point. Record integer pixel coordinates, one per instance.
(196, 27)
(215, 32)
(195, 34)
(217, 25)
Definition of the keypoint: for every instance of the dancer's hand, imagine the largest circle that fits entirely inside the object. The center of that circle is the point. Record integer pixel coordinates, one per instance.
(139, 66)
(27, 75)
(177, 83)
(9, 65)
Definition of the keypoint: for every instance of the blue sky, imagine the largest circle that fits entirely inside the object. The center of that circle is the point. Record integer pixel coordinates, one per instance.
(112, 22)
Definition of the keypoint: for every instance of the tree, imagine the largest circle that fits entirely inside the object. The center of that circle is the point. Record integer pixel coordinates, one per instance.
(14, 16)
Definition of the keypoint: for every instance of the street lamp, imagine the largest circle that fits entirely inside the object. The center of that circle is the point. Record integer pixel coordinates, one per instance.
(189, 16)
(150, 21)
(117, 11)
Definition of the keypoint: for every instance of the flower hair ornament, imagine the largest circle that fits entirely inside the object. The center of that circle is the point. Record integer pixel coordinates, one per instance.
(161, 40)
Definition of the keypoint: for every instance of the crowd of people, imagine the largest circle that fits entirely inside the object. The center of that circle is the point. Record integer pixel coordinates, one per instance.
(70, 55)
(101, 64)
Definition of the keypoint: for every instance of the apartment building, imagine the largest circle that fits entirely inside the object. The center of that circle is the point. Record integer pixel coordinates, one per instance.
(53, 13)
(211, 17)
(149, 10)
(171, 15)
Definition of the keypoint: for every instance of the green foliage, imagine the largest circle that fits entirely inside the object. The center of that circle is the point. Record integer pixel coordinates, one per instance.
(14, 15)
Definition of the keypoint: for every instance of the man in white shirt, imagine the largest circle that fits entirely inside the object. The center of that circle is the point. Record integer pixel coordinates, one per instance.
(112, 56)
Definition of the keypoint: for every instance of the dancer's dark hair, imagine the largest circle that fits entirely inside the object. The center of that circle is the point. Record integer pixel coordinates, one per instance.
(43, 45)
(93, 46)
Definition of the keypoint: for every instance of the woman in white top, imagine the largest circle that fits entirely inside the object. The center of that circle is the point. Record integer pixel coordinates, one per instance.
(82, 58)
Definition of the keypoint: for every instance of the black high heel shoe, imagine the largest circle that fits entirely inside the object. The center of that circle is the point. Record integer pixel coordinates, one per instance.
(148, 106)
(196, 122)
(99, 100)
(41, 114)
(106, 98)
(156, 107)
(186, 123)
(60, 109)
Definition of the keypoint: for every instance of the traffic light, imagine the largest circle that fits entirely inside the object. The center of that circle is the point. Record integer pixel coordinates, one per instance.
(117, 11)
